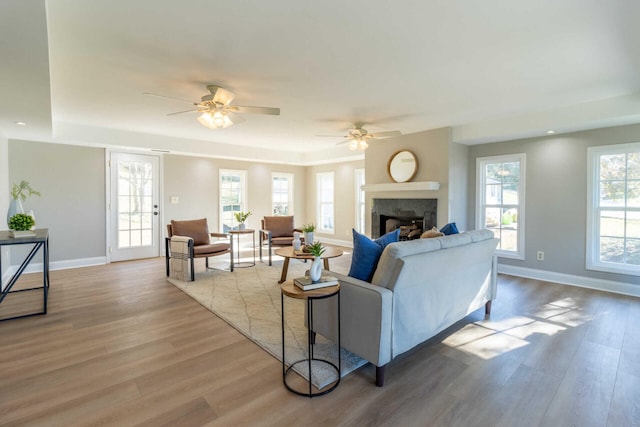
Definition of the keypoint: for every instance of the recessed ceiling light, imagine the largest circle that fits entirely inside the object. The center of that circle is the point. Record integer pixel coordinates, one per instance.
(20, 123)
(551, 132)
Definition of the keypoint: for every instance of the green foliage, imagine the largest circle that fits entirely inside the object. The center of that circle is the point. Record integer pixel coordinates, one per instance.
(22, 191)
(309, 228)
(241, 217)
(316, 249)
(21, 222)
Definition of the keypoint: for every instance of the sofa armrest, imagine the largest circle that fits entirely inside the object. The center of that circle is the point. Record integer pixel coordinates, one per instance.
(366, 315)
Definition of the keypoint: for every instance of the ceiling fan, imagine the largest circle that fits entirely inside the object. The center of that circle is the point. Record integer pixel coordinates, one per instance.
(358, 137)
(216, 109)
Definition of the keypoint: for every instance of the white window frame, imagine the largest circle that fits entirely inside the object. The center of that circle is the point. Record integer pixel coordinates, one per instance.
(481, 203)
(593, 261)
(289, 178)
(320, 203)
(242, 174)
(360, 198)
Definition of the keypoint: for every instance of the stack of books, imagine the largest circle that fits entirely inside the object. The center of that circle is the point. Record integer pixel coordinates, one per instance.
(306, 284)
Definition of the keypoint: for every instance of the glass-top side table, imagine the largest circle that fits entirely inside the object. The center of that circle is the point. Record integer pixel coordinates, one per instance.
(238, 233)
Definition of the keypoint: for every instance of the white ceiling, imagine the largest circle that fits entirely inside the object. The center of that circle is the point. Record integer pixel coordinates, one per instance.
(75, 70)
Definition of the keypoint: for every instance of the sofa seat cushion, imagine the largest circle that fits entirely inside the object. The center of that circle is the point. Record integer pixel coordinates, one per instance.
(366, 253)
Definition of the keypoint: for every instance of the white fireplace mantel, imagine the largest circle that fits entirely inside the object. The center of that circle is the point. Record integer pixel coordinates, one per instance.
(402, 186)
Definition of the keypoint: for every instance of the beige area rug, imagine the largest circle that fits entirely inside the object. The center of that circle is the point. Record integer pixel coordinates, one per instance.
(249, 300)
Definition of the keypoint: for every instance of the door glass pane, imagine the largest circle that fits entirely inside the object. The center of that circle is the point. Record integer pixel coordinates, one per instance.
(134, 203)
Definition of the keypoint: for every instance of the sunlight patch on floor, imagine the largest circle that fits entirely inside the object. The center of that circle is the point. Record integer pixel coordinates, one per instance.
(490, 338)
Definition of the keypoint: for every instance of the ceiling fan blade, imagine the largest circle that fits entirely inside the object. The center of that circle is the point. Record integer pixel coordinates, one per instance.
(343, 142)
(386, 134)
(185, 111)
(331, 136)
(168, 97)
(235, 118)
(254, 110)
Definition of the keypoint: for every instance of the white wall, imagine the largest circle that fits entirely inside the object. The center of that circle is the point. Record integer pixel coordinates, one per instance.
(556, 197)
(433, 151)
(71, 180)
(4, 198)
(344, 200)
(195, 181)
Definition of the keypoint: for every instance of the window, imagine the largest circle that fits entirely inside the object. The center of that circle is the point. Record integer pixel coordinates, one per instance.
(500, 201)
(233, 197)
(613, 214)
(360, 199)
(281, 194)
(324, 188)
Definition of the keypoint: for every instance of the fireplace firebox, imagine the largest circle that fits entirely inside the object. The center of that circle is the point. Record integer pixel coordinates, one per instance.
(411, 216)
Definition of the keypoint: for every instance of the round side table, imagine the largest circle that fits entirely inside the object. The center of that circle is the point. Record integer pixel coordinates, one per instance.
(292, 291)
(253, 235)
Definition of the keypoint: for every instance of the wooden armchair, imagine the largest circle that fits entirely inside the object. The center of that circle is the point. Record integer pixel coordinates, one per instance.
(277, 231)
(200, 244)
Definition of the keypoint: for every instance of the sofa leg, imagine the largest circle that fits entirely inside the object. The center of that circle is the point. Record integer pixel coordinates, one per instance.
(380, 375)
(487, 308)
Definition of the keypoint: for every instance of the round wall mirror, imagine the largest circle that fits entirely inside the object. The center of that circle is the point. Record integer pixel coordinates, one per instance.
(402, 166)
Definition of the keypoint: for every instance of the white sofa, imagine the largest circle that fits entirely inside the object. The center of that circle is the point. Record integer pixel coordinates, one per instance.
(420, 287)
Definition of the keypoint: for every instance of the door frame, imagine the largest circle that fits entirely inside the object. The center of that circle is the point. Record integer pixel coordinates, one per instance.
(107, 169)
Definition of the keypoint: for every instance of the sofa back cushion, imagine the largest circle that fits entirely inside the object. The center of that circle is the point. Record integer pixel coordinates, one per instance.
(279, 226)
(393, 257)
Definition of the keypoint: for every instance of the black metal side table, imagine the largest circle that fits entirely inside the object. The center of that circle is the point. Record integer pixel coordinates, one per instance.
(253, 235)
(39, 240)
(290, 290)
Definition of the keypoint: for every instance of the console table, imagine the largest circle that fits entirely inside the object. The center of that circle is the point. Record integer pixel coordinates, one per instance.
(40, 240)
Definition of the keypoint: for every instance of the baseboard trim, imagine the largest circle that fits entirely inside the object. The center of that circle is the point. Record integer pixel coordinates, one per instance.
(345, 243)
(572, 280)
(37, 267)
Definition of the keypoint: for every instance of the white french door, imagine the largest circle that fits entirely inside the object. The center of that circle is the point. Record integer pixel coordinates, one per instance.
(134, 207)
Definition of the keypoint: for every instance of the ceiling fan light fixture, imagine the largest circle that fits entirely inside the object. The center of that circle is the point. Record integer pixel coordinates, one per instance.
(353, 145)
(362, 145)
(217, 120)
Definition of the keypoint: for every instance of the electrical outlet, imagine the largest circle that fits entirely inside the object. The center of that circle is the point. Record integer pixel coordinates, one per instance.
(540, 256)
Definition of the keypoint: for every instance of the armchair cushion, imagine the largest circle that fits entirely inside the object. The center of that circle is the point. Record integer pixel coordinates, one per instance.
(279, 226)
(211, 249)
(197, 229)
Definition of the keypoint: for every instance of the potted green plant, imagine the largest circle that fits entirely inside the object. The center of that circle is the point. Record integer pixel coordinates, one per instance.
(315, 272)
(21, 225)
(19, 193)
(308, 230)
(241, 217)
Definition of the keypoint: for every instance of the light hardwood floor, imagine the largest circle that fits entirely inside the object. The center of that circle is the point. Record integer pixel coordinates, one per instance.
(122, 346)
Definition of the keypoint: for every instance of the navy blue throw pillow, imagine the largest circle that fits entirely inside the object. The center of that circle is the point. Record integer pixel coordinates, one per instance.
(449, 229)
(366, 253)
